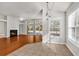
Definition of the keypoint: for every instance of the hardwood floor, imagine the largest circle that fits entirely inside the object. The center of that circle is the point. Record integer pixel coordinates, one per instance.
(8, 45)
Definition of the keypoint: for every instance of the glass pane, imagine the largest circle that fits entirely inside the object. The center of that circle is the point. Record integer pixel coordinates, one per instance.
(55, 27)
(38, 26)
(34, 26)
(71, 26)
(30, 26)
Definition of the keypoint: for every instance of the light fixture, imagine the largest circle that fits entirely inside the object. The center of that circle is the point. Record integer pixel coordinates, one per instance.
(48, 10)
(21, 19)
(47, 14)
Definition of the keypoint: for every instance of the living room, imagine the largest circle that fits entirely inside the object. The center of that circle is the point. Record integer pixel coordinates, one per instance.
(44, 27)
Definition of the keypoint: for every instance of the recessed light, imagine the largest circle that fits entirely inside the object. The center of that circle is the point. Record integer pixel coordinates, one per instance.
(21, 19)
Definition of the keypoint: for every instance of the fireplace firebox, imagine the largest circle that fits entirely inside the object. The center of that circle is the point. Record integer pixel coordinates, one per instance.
(13, 33)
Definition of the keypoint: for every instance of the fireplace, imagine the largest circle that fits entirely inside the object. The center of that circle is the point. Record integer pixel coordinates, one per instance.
(13, 33)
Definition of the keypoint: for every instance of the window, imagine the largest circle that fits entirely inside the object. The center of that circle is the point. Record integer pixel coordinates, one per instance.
(73, 26)
(34, 26)
(55, 27)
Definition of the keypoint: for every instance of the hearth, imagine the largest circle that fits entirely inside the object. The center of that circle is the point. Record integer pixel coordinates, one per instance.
(13, 33)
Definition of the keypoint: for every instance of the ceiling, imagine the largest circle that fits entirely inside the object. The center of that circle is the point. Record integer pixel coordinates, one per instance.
(19, 8)
(25, 9)
(61, 6)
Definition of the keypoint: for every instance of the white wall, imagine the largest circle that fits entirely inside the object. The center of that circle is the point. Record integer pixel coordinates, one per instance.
(12, 23)
(70, 43)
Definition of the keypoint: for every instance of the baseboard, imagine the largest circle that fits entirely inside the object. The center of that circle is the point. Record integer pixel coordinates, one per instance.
(58, 42)
(3, 36)
(55, 42)
(70, 49)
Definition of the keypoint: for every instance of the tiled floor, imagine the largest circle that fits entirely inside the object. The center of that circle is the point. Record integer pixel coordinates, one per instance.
(41, 49)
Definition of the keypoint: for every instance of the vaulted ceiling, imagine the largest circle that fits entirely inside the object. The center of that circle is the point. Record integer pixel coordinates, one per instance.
(23, 9)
